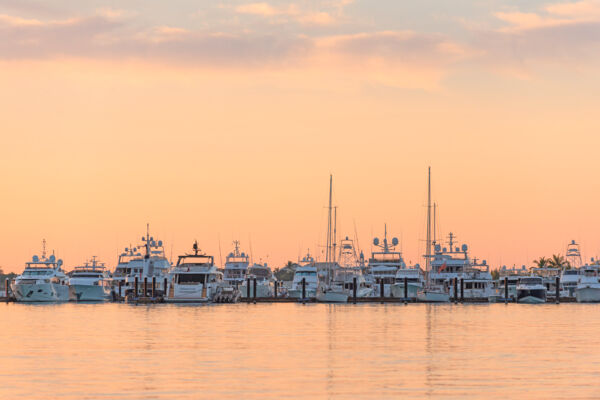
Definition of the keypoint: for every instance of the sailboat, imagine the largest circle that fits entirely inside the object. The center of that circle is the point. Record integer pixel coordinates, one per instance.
(431, 293)
(326, 291)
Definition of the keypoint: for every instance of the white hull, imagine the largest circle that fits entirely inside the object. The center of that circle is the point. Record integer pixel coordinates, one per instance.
(44, 292)
(262, 290)
(433, 296)
(531, 300)
(332, 296)
(189, 294)
(297, 293)
(88, 293)
(398, 290)
(588, 295)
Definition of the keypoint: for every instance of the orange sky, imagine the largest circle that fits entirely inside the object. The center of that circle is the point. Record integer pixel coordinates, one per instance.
(95, 146)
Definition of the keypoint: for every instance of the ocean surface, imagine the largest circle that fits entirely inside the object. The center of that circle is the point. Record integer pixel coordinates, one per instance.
(293, 351)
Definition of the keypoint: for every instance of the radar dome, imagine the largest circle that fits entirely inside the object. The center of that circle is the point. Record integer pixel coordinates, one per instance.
(484, 262)
(52, 258)
(160, 243)
(376, 241)
(59, 262)
(438, 247)
(35, 259)
(464, 247)
(395, 241)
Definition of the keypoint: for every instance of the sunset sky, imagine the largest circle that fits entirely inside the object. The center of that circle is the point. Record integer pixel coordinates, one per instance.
(222, 120)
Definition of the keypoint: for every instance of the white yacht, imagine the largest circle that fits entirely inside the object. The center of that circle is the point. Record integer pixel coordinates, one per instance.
(264, 281)
(349, 268)
(43, 280)
(569, 279)
(549, 275)
(236, 266)
(531, 290)
(384, 264)
(510, 276)
(307, 271)
(415, 281)
(147, 260)
(453, 262)
(194, 279)
(588, 288)
(89, 282)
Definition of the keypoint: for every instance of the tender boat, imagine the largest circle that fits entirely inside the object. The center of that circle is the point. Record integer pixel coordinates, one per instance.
(236, 266)
(588, 288)
(264, 281)
(531, 290)
(194, 279)
(89, 282)
(307, 271)
(43, 280)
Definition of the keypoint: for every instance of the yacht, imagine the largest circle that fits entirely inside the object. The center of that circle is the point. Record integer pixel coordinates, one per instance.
(569, 279)
(194, 279)
(549, 275)
(531, 290)
(89, 282)
(307, 271)
(146, 260)
(415, 281)
(43, 280)
(236, 266)
(384, 264)
(511, 277)
(264, 281)
(588, 288)
(350, 267)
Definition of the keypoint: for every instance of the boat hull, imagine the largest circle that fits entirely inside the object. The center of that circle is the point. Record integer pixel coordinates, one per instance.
(587, 294)
(332, 297)
(534, 296)
(262, 290)
(297, 293)
(87, 293)
(397, 290)
(433, 297)
(43, 292)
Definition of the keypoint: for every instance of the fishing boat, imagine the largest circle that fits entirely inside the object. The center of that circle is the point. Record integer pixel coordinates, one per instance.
(306, 272)
(350, 270)
(264, 281)
(588, 288)
(531, 290)
(43, 280)
(89, 282)
(194, 279)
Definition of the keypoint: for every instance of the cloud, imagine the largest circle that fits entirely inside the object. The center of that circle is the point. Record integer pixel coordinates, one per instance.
(552, 15)
(293, 12)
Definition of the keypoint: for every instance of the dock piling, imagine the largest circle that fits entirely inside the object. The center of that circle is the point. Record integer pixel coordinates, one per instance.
(145, 286)
(303, 289)
(165, 287)
(248, 289)
(354, 289)
(254, 287)
(153, 286)
(6, 288)
(455, 290)
(381, 290)
(119, 288)
(405, 289)
(557, 289)
(505, 290)
(275, 291)
(135, 286)
(462, 290)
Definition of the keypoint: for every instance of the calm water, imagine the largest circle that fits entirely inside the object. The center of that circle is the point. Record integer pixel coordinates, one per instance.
(246, 351)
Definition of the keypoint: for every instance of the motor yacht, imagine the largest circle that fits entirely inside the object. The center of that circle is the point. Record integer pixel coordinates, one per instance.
(588, 288)
(384, 264)
(264, 281)
(89, 282)
(43, 280)
(236, 266)
(531, 290)
(414, 278)
(194, 279)
(307, 271)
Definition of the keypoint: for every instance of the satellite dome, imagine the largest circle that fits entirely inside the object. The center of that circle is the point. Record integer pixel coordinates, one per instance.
(52, 258)
(484, 262)
(160, 243)
(376, 241)
(445, 250)
(243, 254)
(59, 262)
(464, 247)
(126, 249)
(35, 259)
(395, 241)
(438, 247)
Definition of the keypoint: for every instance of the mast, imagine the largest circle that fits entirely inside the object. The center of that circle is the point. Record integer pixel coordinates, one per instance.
(334, 255)
(328, 255)
(434, 224)
(428, 245)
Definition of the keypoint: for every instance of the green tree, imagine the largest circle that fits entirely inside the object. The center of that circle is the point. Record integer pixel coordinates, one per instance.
(558, 261)
(495, 274)
(542, 262)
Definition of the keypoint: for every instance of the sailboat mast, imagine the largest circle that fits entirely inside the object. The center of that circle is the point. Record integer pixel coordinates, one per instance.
(334, 255)
(428, 245)
(434, 222)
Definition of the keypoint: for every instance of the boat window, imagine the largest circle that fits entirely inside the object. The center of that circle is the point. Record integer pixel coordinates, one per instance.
(191, 278)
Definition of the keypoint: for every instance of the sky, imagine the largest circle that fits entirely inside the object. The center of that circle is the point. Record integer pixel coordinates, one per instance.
(222, 120)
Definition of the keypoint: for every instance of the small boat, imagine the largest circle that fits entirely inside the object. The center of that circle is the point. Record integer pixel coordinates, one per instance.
(264, 285)
(531, 290)
(588, 288)
(414, 282)
(43, 280)
(433, 294)
(194, 279)
(236, 266)
(89, 282)
(307, 271)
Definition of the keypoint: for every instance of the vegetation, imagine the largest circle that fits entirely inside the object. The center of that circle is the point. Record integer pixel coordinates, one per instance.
(556, 261)
(286, 273)
(3, 278)
(541, 262)
(495, 274)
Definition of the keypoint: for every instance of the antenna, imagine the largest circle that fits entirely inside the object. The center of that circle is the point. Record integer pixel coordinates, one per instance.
(43, 249)
(356, 236)
(251, 252)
